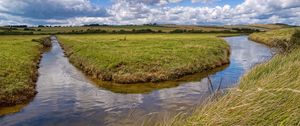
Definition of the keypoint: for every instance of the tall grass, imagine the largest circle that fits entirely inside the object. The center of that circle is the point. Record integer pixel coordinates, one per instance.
(18, 68)
(146, 57)
(267, 95)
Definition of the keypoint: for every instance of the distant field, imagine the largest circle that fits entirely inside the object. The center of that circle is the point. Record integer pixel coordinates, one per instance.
(162, 28)
(18, 68)
(141, 29)
(267, 95)
(262, 27)
(145, 57)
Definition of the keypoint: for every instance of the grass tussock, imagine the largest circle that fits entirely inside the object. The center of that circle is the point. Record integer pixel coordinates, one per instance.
(267, 95)
(18, 68)
(144, 58)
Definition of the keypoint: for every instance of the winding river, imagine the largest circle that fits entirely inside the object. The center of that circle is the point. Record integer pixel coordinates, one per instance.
(67, 97)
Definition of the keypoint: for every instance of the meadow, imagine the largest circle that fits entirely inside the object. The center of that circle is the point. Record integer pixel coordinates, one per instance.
(18, 68)
(268, 95)
(145, 57)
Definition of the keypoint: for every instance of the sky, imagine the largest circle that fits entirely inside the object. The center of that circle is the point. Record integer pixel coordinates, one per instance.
(136, 12)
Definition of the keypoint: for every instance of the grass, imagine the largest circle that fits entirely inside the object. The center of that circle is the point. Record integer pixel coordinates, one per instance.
(18, 68)
(145, 57)
(263, 27)
(267, 95)
(285, 39)
(270, 26)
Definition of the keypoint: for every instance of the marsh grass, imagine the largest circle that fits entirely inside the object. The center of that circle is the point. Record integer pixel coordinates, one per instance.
(282, 39)
(268, 95)
(18, 68)
(145, 57)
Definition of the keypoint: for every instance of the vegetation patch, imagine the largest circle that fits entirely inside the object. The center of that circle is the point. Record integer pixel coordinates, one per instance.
(135, 29)
(283, 39)
(18, 68)
(145, 88)
(145, 57)
(268, 95)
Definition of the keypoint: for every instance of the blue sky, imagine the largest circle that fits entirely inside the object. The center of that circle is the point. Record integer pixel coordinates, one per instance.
(121, 12)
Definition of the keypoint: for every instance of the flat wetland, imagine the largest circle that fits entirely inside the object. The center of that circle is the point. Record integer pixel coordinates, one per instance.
(151, 79)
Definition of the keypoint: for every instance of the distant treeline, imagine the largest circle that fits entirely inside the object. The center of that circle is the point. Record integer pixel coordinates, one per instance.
(96, 31)
(30, 31)
(150, 24)
(137, 31)
(16, 33)
(17, 26)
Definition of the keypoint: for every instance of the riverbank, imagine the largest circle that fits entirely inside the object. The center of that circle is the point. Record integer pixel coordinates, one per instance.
(146, 57)
(267, 95)
(284, 39)
(20, 57)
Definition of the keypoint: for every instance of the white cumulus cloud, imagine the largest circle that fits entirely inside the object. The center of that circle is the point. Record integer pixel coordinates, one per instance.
(79, 12)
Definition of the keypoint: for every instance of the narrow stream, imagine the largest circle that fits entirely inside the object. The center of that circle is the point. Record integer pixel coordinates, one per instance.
(67, 97)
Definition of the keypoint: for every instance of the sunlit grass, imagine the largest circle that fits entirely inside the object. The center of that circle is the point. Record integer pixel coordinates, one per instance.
(145, 57)
(284, 39)
(18, 68)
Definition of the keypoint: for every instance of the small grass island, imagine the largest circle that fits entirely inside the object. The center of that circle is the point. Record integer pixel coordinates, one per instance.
(139, 58)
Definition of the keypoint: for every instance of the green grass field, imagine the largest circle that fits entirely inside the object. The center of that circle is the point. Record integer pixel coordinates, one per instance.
(145, 57)
(267, 95)
(18, 68)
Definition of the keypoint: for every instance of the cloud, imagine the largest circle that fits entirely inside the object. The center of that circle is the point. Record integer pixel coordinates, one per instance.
(51, 9)
(203, 1)
(149, 2)
(79, 12)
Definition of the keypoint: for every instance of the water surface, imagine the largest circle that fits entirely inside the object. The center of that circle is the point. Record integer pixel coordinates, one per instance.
(67, 97)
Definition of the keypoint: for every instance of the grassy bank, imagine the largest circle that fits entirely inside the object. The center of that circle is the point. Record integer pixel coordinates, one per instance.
(18, 68)
(146, 88)
(144, 57)
(267, 95)
(284, 39)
